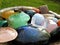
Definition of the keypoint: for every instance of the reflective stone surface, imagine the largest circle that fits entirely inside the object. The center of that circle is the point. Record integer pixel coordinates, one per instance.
(38, 19)
(3, 23)
(7, 13)
(7, 34)
(18, 20)
(58, 23)
(28, 34)
(51, 26)
(30, 13)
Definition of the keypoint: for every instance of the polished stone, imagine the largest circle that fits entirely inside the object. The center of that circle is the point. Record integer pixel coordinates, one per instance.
(38, 19)
(28, 34)
(7, 34)
(3, 23)
(18, 20)
(7, 13)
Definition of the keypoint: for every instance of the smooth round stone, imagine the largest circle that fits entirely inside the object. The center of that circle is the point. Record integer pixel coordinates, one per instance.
(18, 20)
(37, 10)
(44, 9)
(58, 23)
(55, 20)
(51, 26)
(31, 34)
(7, 13)
(7, 34)
(3, 23)
(30, 12)
(38, 19)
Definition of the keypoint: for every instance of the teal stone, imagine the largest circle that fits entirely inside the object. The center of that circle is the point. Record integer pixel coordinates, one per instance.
(3, 23)
(18, 20)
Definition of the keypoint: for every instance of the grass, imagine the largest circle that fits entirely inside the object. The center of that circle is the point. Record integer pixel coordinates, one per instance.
(54, 6)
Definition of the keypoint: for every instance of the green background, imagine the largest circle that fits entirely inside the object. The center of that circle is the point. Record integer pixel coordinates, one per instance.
(53, 5)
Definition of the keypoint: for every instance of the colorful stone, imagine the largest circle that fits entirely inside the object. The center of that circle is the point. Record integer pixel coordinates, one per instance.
(55, 20)
(58, 23)
(18, 20)
(3, 23)
(7, 13)
(44, 9)
(38, 19)
(37, 10)
(31, 34)
(51, 26)
(30, 13)
(7, 34)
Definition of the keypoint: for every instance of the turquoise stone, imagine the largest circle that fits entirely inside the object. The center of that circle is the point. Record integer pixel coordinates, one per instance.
(18, 20)
(3, 23)
(32, 34)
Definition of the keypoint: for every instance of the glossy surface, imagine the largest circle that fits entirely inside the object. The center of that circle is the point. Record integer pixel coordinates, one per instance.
(55, 20)
(7, 34)
(44, 9)
(31, 34)
(3, 23)
(51, 26)
(38, 19)
(58, 23)
(18, 20)
(30, 13)
(7, 13)
(37, 10)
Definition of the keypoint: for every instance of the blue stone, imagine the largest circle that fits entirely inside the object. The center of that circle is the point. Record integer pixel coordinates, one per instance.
(28, 34)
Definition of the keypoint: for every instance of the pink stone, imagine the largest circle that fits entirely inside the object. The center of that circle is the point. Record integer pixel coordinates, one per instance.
(51, 26)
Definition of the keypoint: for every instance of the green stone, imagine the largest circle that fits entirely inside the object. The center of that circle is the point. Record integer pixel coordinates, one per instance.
(18, 20)
(3, 23)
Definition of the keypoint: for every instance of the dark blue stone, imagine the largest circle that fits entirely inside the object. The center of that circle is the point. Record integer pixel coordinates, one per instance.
(28, 34)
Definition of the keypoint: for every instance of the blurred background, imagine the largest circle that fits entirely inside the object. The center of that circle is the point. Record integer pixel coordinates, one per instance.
(53, 5)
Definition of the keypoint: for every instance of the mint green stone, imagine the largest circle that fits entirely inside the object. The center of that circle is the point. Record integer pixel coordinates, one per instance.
(18, 20)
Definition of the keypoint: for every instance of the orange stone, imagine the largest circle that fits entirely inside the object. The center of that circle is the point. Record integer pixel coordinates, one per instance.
(7, 13)
(58, 23)
(37, 10)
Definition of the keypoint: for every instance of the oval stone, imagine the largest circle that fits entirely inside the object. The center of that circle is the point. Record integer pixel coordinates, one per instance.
(7, 34)
(38, 19)
(3, 23)
(18, 20)
(7, 13)
(31, 34)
